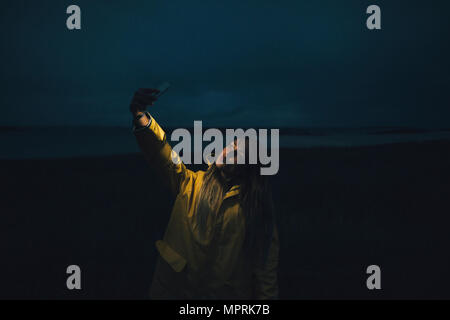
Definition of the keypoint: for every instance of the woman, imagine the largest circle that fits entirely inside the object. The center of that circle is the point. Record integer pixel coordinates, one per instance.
(221, 241)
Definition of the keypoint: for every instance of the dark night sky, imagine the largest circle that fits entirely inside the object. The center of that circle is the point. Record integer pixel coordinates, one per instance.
(231, 63)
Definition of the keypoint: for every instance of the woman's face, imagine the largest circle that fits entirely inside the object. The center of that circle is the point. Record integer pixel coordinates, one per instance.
(228, 159)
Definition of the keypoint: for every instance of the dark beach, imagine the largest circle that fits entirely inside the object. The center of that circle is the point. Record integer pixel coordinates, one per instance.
(340, 210)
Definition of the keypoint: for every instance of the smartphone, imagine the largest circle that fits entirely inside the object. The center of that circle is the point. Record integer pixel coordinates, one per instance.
(162, 87)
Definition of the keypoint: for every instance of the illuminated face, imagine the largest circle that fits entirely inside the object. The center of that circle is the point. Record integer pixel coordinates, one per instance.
(231, 156)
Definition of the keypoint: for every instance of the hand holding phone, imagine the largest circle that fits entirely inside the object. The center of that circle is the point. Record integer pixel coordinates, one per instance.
(146, 97)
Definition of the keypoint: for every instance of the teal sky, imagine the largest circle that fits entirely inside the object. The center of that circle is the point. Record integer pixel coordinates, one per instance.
(231, 63)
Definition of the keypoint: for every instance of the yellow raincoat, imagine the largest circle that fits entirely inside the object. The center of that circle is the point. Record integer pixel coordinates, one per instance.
(193, 267)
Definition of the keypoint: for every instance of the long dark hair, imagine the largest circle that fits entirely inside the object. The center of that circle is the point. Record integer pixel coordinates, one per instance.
(255, 199)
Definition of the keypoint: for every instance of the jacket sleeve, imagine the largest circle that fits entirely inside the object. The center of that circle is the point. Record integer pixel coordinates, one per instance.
(266, 275)
(159, 154)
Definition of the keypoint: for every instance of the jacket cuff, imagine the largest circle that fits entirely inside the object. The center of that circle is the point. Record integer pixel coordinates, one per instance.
(137, 129)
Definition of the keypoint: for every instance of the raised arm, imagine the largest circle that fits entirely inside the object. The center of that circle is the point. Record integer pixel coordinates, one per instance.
(151, 139)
